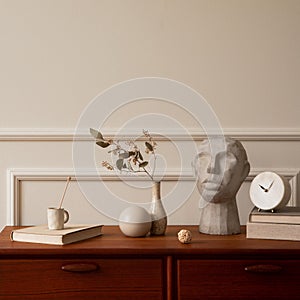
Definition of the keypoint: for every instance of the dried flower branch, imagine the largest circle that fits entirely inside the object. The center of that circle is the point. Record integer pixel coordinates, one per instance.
(128, 157)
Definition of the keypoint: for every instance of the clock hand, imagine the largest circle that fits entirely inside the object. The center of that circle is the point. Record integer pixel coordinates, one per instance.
(263, 188)
(270, 185)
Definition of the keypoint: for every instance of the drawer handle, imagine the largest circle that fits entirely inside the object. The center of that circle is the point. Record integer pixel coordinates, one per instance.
(80, 267)
(263, 269)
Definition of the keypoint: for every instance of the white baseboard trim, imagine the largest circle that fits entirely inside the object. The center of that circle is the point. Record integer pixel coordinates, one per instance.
(15, 176)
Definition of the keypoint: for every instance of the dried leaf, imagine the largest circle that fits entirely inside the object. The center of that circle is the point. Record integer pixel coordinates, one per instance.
(100, 141)
(149, 146)
(140, 156)
(96, 134)
(119, 163)
(124, 155)
(143, 164)
(129, 166)
(103, 144)
(131, 153)
(107, 165)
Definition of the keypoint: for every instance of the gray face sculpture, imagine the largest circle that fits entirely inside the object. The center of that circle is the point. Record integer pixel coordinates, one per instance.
(220, 177)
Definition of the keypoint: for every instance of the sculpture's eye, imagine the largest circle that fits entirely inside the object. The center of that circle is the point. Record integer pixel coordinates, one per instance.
(222, 162)
(231, 160)
(204, 160)
(201, 163)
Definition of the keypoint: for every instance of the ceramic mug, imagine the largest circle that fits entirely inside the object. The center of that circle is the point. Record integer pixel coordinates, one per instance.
(57, 217)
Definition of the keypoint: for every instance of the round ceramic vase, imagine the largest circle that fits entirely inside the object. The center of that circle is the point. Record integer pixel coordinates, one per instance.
(135, 221)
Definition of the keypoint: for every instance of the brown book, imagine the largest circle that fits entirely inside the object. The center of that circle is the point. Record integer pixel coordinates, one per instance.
(70, 234)
(273, 231)
(286, 215)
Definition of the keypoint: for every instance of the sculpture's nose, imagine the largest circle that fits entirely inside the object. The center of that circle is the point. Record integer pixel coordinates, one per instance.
(213, 167)
(210, 170)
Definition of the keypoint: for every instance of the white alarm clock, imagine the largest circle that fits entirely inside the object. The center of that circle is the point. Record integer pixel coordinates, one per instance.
(269, 191)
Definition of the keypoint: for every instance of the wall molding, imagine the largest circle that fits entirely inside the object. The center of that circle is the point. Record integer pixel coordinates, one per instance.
(15, 176)
(67, 134)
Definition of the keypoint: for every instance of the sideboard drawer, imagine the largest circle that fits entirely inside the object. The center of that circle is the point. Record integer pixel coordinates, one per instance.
(82, 279)
(238, 279)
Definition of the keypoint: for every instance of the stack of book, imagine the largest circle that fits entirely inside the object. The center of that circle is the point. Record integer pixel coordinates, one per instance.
(283, 224)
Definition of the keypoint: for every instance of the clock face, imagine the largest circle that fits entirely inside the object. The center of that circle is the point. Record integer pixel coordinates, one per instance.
(269, 190)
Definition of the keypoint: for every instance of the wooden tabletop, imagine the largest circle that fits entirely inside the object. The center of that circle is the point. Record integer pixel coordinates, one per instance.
(113, 242)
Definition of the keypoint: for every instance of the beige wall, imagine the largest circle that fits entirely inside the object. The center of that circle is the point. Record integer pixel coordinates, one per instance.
(56, 56)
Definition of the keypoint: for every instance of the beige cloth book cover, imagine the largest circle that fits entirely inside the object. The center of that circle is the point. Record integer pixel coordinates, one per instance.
(70, 234)
(285, 215)
(273, 231)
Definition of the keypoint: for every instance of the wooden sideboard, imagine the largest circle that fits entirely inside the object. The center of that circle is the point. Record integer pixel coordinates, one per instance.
(117, 267)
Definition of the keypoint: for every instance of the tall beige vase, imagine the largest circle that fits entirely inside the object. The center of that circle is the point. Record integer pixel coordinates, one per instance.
(157, 211)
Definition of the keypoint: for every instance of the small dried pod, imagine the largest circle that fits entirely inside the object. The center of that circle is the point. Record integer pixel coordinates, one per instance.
(184, 236)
